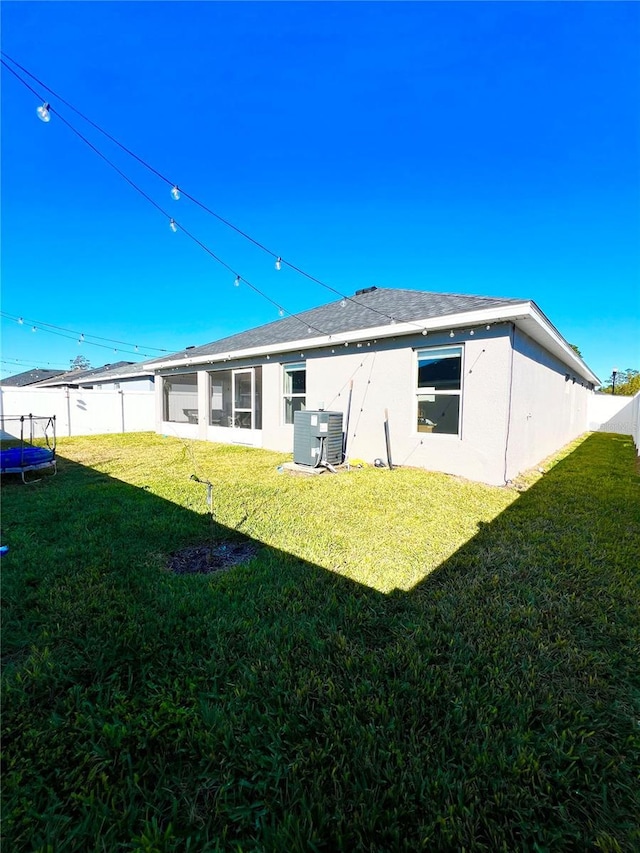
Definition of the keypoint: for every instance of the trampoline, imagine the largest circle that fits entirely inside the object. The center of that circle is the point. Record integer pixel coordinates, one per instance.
(28, 443)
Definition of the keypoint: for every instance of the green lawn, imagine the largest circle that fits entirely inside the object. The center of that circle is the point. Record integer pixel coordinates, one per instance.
(411, 661)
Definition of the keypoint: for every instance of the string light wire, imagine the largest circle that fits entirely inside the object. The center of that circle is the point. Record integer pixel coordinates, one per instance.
(175, 225)
(343, 297)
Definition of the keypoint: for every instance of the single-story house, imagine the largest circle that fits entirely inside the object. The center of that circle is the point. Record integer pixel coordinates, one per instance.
(120, 376)
(473, 386)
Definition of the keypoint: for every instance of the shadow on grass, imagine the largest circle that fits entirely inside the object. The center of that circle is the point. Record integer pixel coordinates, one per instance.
(280, 706)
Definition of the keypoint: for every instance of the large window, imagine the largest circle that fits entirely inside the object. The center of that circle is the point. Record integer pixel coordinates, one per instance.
(439, 390)
(295, 390)
(236, 398)
(180, 403)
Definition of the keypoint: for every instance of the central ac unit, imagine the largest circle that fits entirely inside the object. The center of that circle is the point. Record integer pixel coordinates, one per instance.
(317, 438)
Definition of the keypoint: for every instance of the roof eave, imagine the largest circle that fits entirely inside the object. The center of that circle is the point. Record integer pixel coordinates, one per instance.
(526, 315)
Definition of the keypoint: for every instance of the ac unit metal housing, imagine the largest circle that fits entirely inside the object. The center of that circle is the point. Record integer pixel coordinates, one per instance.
(317, 438)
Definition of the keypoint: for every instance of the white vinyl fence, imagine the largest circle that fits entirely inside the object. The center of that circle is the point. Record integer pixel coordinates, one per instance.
(82, 411)
(608, 413)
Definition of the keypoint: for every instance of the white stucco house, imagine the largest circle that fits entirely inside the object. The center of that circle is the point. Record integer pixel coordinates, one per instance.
(474, 386)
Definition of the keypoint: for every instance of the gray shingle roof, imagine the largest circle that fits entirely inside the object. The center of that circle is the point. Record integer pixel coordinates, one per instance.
(74, 377)
(366, 310)
(29, 377)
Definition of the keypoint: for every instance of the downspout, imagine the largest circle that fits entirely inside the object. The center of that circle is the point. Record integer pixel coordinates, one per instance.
(512, 335)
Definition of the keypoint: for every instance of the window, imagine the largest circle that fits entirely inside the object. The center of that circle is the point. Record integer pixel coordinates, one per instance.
(295, 390)
(180, 398)
(235, 398)
(439, 390)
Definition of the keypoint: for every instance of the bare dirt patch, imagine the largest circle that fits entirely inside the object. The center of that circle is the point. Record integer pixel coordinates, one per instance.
(208, 559)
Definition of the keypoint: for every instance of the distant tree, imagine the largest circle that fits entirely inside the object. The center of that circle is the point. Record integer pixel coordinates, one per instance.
(575, 348)
(627, 383)
(80, 362)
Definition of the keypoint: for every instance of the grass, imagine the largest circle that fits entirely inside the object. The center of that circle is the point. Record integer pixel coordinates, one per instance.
(411, 661)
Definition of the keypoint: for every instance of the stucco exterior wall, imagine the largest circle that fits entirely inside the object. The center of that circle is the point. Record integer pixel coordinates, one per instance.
(517, 407)
(384, 377)
(549, 405)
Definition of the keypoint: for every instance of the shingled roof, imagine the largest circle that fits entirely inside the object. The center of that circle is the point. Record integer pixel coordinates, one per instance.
(29, 377)
(367, 309)
(76, 377)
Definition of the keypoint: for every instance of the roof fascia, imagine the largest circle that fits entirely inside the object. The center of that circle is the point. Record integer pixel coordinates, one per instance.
(526, 315)
(389, 330)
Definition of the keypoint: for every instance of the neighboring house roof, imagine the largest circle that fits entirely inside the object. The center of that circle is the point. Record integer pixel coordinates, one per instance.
(29, 377)
(382, 313)
(86, 377)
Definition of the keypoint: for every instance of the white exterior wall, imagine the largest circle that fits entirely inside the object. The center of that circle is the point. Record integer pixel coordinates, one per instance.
(516, 406)
(81, 411)
(126, 385)
(547, 409)
(385, 377)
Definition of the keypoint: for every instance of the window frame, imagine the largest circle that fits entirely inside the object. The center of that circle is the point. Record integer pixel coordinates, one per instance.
(287, 369)
(419, 392)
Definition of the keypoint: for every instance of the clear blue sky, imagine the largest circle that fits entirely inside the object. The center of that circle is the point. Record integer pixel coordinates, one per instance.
(488, 148)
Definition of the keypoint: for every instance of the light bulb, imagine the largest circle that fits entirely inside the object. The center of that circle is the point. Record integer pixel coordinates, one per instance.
(424, 332)
(393, 321)
(43, 113)
(173, 225)
(309, 330)
(21, 321)
(136, 348)
(281, 312)
(343, 303)
(237, 281)
(81, 336)
(34, 329)
(472, 332)
(278, 263)
(451, 334)
(175, 193)
(487, 328)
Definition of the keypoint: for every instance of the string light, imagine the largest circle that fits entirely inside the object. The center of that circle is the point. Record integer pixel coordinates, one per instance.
(237, 281)
(34, 329)
(472, 332)
(43, 112)
(424, 332)
(175, 193)
(77, 336)
(451, 334)
(172, 225)
(281, 312)
(44, 109)
(343, 303)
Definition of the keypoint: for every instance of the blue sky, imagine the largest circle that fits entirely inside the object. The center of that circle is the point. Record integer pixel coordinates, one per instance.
(488, 148)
